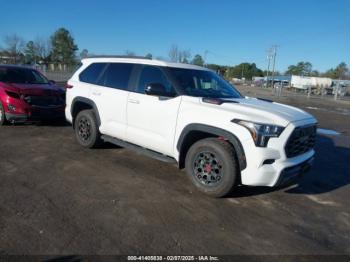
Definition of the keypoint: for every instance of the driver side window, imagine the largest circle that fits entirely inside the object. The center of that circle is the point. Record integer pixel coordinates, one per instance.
(153, 75)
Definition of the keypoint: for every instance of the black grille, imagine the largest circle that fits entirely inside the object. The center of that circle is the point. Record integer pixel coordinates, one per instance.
(301, 140)
(44, 100)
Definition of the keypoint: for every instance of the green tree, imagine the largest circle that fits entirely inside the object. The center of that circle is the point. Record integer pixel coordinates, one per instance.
(340, 72)
(315, 73)
(37, 51)
(149, 56)
(30, 52)
(198, 60)
(302, 69)
(63, 47)
(244, 70)
(217, 68)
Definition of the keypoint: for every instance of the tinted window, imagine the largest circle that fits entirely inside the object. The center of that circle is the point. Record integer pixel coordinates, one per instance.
(21, 76)
(202, 83)
(153, 75)
(117, 75)
(91, 73)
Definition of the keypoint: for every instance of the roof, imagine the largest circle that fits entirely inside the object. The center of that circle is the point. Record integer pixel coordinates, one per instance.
(144, 61)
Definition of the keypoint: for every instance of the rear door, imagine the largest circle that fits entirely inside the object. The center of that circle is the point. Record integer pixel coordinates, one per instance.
(87, 80)
(82, 82)
(151, 120)
(111, 96)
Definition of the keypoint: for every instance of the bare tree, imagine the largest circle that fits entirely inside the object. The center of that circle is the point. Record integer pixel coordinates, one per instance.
(174, 53)
(129, 53)
(178, 55)
(84, 54)
(43, 48)
(14, 46)
(185, 56)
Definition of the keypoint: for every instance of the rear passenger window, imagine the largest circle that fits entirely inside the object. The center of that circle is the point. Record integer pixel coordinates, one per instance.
(91, 73)
(117, 76)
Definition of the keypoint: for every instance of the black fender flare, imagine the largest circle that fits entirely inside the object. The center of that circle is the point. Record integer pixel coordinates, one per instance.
(80, 99)
(216, 132)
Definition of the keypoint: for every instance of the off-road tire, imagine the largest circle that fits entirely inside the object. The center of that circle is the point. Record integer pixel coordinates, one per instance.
(86, 129)
(219, 158)
(3, 120)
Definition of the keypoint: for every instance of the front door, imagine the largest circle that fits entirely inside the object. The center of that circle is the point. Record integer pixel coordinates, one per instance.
(151, 120)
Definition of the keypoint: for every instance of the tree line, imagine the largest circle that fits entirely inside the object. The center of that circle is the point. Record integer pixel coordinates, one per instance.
(60, 48)
(249, 70)
(341, 71)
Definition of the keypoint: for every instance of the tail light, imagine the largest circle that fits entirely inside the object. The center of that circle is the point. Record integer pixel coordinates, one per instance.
(68, 86)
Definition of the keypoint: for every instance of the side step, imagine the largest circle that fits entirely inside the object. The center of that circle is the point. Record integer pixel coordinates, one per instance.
(138, 149)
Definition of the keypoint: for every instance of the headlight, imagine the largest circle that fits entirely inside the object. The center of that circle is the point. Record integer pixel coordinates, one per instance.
(261, 133)
(12, 94)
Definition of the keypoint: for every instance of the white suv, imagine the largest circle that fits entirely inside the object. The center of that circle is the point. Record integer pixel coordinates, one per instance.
(191, 116)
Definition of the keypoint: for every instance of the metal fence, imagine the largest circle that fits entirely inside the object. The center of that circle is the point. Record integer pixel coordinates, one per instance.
(335, 92)
(58, 76)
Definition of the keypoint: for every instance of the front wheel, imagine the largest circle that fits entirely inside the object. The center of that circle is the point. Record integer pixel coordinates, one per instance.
(212, 167)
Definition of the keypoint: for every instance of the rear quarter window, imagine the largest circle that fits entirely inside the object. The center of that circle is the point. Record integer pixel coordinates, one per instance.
(91, 73)
(117, 75)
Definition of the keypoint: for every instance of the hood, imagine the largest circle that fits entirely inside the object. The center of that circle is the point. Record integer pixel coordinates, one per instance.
(264, 111)
(36, 89)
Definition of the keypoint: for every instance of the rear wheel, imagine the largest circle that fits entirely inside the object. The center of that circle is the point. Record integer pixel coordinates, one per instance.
(212, 167)
(86, 129)
(3, 120)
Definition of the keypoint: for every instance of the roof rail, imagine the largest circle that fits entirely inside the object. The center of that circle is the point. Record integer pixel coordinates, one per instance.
(119, 56)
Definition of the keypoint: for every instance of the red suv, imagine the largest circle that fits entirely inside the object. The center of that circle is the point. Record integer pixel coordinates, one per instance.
(27, 95)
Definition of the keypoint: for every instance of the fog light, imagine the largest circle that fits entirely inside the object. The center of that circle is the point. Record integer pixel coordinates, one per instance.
(11, 108)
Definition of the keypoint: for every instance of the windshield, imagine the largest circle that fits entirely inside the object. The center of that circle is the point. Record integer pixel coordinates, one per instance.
(21, 76)
(201, 83)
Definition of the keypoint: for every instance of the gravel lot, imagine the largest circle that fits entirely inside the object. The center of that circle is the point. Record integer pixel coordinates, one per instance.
(58, 198)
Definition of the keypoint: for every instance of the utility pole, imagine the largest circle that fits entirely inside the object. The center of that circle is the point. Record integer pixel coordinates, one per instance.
(336, 89)
(242, 72)
(269, 55)
(205, 57)
(274, 48)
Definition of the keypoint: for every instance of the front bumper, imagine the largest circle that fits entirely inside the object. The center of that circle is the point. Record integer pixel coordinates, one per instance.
(270, 166)
(291, 174)
(36, 114)
(279, 172)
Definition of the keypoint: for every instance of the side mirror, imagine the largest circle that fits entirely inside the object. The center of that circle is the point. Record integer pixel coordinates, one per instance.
(52, 82)
(156, 89)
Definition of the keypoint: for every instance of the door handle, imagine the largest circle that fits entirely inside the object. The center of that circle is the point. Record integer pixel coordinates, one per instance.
(134, 101)
(96, 93)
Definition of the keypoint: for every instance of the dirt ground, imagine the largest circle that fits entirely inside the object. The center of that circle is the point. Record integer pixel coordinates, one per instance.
(58, 198)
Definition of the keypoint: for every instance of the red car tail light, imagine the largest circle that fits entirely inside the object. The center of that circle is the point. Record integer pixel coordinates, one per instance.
(12, 94)
(68, 86)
